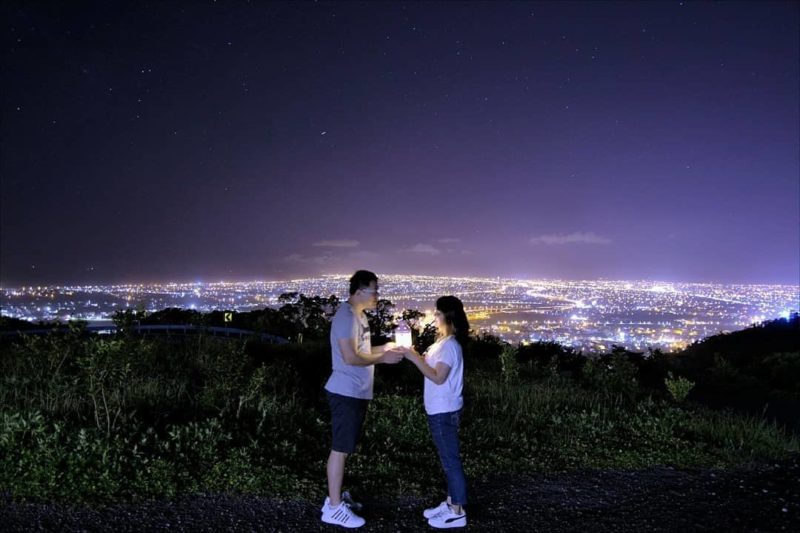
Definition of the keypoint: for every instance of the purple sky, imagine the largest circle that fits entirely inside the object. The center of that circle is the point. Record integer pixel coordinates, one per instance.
(650, 140)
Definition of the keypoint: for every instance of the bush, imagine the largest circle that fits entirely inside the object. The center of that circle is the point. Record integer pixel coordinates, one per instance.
(544, 358)
(100, 419)
(679, 388)
(614, 377)
(724, 376)
(509, 367)
(783, 370)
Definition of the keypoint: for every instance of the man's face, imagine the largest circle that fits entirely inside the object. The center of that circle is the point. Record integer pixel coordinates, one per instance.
(369, 295)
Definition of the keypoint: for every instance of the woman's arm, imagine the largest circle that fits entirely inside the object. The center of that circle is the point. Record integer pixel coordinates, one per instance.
(438, 375)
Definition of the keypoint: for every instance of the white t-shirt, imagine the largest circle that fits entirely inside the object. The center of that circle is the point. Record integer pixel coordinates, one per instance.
(350, 380)
(445, 398)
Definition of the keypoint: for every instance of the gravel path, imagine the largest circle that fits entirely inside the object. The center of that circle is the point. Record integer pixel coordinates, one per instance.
(760, 498)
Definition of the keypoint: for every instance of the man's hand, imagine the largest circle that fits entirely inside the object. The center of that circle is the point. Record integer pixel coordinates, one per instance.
(391, 357)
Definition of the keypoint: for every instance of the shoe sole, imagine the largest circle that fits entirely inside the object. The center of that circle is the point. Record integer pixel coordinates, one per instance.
(448, 526)
(335, 523)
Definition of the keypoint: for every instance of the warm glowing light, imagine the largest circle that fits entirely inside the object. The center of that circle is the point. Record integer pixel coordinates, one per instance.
(402, 335)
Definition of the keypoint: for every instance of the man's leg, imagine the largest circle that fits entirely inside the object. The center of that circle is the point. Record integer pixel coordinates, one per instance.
(335, 511)
(335, 476)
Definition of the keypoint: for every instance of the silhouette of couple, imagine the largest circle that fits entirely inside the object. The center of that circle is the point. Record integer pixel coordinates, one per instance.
(349, 391)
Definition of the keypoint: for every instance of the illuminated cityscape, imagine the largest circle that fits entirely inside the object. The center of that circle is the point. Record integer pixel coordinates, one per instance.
(588, 315)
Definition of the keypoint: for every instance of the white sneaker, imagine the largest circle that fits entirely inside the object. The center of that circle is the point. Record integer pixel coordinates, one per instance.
(346, 498)
(341, 515)
(447, 519)
(433, 511)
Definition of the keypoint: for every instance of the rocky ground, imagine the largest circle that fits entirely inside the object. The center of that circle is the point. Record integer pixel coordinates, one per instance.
(756, 498)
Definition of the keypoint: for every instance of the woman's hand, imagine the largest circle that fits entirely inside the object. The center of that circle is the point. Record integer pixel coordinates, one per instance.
(410, 353)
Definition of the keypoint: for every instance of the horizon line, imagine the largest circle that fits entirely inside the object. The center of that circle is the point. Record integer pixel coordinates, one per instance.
(390, 275)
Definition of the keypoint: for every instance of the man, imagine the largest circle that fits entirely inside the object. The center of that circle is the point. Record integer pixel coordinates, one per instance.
(349, 388)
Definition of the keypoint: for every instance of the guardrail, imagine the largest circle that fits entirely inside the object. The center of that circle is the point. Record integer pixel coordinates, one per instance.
(217, 331)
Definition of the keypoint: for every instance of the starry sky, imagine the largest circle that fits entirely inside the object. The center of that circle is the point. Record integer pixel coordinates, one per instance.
(200, 141)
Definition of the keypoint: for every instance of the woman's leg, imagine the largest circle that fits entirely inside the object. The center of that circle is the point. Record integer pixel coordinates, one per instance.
(444, 430)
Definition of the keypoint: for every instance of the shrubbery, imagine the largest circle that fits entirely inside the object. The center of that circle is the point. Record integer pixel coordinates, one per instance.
(679, 388)
(92, 418)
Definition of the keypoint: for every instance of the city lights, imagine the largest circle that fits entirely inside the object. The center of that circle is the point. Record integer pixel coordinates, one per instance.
(586, 315)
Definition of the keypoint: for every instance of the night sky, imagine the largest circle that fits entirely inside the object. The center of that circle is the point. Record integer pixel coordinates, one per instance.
(201, 141)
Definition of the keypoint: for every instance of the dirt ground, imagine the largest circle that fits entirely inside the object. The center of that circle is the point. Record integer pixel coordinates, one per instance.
(763, 497)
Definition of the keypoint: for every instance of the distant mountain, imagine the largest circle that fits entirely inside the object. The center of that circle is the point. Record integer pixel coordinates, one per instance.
(8, 323)
(766, 356)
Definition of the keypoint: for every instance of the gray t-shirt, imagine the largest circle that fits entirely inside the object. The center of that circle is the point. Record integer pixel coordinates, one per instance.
(350, 380)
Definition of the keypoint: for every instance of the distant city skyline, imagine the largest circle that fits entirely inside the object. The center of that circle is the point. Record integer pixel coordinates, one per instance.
(543, 140)
(211, 280)
(590, 315)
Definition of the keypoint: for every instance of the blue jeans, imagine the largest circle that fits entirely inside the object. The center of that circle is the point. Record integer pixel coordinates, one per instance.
(444, 430)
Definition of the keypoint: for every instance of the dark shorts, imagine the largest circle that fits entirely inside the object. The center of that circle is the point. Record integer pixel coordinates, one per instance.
(347, 419)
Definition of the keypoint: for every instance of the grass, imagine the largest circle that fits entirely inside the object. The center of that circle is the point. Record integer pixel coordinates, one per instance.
(88, 419)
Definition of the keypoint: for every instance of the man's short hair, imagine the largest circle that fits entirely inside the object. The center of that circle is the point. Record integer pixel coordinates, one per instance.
(361, 279)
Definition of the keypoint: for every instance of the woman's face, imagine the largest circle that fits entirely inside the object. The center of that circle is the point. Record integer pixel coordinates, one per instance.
(441, 325)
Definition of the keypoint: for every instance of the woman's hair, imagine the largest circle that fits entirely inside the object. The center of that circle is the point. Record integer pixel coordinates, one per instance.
(454, 317)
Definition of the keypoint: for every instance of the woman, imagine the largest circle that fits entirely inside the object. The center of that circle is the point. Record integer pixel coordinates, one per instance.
(443, 368)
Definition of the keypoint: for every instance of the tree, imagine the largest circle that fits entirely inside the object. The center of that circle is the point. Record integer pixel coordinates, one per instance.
(309, 316)
(128, 319)
(174, 315)
(412, 319)
(381, 322)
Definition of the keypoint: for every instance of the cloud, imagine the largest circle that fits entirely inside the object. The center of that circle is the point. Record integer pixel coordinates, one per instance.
(334, 258)
(423, 249)
(299, 258)
(341, 243)
(572, 238)
(448, 240)
(364, 255)
(322, 259)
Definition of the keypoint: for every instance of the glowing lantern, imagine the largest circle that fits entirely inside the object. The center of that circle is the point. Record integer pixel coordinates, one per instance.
(402, 335)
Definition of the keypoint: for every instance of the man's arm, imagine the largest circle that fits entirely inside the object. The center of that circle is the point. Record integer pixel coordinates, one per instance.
(377, 350)
(352, 356)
